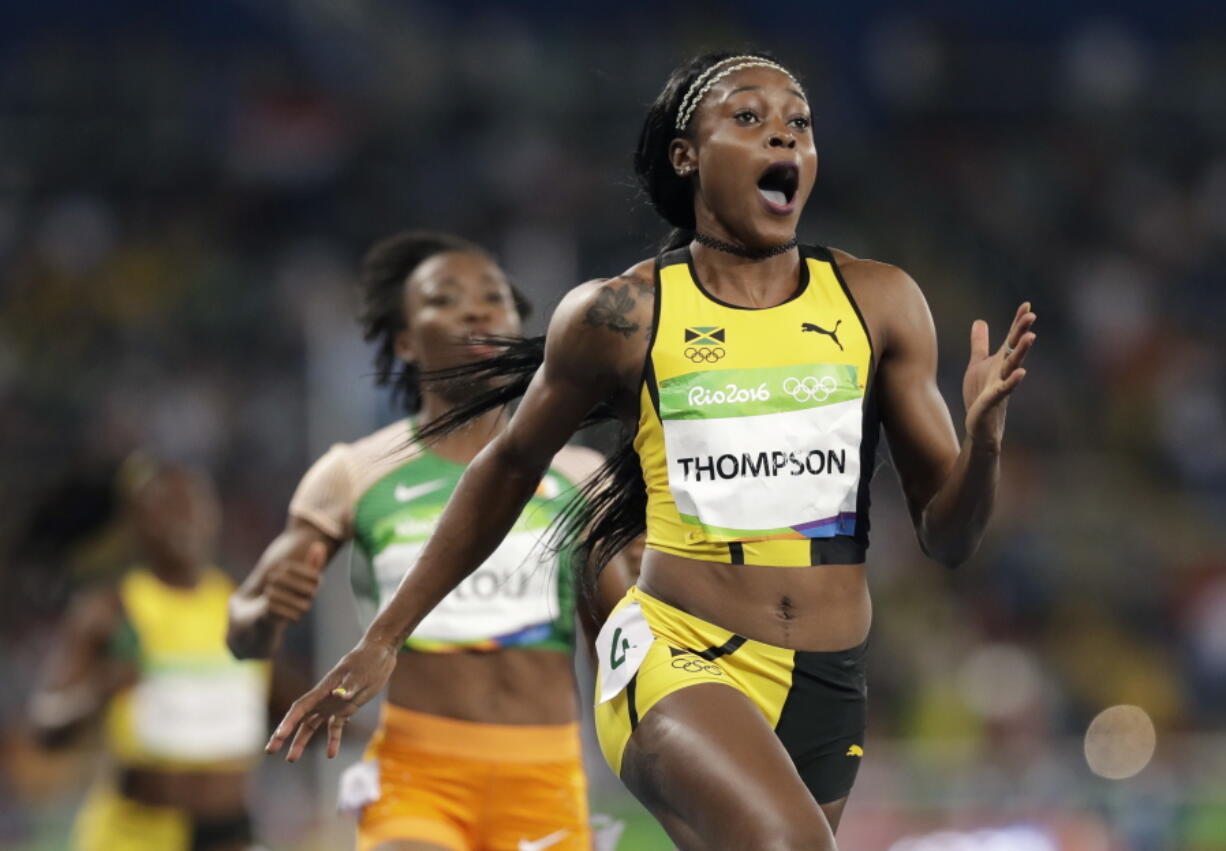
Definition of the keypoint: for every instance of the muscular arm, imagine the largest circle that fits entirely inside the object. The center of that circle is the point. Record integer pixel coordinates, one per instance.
(260, 609)
(950, 487)
(79, 676)
(596, 341)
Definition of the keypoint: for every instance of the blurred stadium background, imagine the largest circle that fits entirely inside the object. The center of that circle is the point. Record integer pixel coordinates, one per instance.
(186, 188)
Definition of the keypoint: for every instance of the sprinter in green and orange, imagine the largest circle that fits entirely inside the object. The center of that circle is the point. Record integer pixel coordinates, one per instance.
(478, 747)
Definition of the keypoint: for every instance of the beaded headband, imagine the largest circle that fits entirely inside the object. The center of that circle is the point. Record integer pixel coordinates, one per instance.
(708, 78)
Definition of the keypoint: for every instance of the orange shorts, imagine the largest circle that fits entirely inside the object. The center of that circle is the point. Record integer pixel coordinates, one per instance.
(468, 786)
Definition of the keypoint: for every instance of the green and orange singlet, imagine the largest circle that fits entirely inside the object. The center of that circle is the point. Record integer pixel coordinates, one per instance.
(386, 492)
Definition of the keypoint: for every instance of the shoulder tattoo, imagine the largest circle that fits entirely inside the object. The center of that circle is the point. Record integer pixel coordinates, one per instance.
(614, 304)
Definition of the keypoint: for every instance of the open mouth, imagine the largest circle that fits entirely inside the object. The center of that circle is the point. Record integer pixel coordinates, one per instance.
(778, 185)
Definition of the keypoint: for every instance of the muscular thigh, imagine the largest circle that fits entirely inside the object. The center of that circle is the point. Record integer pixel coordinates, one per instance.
(710, 768)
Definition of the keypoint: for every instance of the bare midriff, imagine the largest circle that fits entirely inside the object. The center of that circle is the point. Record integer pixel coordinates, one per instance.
(208, 794)
(511, 686)
(821, 608)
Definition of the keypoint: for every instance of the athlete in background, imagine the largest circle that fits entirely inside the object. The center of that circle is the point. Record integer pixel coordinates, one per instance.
(183, 720)
(478, 746)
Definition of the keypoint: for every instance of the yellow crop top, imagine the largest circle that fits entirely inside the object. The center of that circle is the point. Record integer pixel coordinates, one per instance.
(758, 427)
(194, 705)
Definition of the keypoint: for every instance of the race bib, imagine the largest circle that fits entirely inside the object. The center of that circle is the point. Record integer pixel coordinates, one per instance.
(516, 588)
(621, 647)
(359, 787)
(201, 717)
(765, 453)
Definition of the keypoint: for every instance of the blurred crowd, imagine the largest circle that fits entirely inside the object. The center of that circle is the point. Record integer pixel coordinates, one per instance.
(185, 194)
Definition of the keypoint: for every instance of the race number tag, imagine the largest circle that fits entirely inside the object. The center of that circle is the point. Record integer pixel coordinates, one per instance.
(359, 787)
(621, 647)
(606, 832)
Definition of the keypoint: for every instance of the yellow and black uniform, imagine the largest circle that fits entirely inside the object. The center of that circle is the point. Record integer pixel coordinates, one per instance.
(758, 428)
(194, 708)
(757, 434)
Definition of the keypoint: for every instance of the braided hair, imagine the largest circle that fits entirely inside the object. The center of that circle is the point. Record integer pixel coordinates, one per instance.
(670, 194)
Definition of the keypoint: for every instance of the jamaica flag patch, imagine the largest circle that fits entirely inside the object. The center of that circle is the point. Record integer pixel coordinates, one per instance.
(705, 336)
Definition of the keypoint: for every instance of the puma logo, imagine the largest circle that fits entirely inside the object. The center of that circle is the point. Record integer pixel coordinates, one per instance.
(833, 333)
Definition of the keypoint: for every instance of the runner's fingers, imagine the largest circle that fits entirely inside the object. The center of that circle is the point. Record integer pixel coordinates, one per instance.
(999, 390)
(1021, 324)
(336, 728)
(316, 556)
(297, 578)
(285, 594)
(306, 569)
(298, 710)
(979, 340)
(1014, 359)
(1010, 383)
(1007, 385)
(306, 730)
(288, 610)
(289, 601)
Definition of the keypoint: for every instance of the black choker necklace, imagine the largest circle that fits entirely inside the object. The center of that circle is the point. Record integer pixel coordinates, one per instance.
(742, 251)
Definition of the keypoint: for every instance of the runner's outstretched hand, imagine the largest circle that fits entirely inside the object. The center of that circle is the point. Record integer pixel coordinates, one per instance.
(357, 677)
(991, 378)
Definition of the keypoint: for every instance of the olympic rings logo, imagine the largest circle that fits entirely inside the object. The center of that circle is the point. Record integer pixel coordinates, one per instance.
(694, 665)
(810, 388)
(704, 354)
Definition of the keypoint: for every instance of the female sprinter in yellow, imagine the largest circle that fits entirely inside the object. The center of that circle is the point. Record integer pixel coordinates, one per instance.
(756, 373)
(478, 747)
(183, 721)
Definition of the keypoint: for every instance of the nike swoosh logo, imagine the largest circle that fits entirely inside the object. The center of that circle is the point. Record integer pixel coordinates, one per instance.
(408, 493)
(544, 842)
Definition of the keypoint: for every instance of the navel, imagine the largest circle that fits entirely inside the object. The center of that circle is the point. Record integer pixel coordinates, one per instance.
(786, 610)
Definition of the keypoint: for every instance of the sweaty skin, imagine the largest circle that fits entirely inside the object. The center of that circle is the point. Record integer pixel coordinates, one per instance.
(708, 786)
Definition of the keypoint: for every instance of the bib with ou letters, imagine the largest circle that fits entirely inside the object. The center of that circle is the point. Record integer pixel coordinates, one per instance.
(515, 590)
(521, 596)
